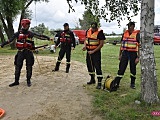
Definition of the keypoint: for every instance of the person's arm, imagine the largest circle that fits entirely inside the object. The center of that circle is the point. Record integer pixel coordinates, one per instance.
(138, 40)
(58, 40)
(84, 47)
(15, 35)
(42, 37)
(120, 51)
(138, 52)
(73, 40)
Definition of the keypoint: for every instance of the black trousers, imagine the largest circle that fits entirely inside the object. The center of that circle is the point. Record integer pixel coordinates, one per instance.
(65, 50)
(94, 63)
(19, 58)
(127, 56)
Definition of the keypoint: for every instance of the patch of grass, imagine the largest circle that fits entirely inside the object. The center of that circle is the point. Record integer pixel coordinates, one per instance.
(119, 105)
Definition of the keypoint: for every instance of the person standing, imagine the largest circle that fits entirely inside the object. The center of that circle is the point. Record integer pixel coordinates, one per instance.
(67, 41)
(129, 51)
(25, 45)
(93, 44)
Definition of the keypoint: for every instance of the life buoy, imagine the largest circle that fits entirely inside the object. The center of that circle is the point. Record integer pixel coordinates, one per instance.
(1, 112)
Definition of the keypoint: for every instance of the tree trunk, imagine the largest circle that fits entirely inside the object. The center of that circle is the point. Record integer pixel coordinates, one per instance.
(1, 35)
(4, 24)
(10, 30)
(148, 72)
(23, 13)
(22, 16)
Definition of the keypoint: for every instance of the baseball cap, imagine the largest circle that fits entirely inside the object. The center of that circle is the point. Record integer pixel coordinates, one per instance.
(66, 24)
(94, 25)
(131, 23)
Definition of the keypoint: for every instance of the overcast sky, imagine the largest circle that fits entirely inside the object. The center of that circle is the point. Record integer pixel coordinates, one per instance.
(55, 13)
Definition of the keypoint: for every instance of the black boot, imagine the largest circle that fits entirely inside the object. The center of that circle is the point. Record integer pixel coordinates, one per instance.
(117, 81)
(57, 66)
(99, 83)
(29, 83)
(67, 68)
(132, 85)
(14, 84)
(17, 75)
(115, 84)
(29, 75)
(92, 81)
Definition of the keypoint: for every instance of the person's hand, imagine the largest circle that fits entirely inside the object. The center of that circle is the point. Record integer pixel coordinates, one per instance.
(55, 46)
(84, 48)
(2, 45)
(50, 39)
(137, 60)
(120, 56)
(72, 48)
(90, 52)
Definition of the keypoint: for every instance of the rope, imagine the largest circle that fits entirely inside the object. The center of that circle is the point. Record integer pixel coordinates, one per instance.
(91, 62)
(38, 64)
(35, 13)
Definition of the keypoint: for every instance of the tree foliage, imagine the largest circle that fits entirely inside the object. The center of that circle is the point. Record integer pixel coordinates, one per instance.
(88, 17)
(39, 29)
(110, 10)
(9, 9)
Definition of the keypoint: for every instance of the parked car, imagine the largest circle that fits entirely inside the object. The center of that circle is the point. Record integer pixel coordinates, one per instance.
(156, 38)
(81, 34)
(58, 34)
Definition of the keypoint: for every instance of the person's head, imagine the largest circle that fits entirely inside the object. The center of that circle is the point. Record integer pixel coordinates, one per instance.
(25, 23)
(66, 26)
(131, 26)
(94, 26)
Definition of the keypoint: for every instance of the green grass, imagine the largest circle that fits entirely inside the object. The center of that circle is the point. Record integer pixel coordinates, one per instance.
(117, 105)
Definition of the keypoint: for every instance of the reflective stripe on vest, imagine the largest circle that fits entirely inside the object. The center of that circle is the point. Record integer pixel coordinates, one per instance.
(92, 42)
(129, 42)
(65, 37)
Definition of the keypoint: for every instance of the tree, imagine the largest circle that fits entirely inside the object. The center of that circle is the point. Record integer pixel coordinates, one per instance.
(25, 5)
(120, 10)
(88, 17)
(9, 9)
(1, 33)
(148, 71)
(111, 9)
(39, 29)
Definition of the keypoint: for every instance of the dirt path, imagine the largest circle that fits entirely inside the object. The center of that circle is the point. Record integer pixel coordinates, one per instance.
(52, 96)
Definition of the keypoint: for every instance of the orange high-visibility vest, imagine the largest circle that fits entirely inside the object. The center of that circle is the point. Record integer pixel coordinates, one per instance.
(92, 42)
(129, 42)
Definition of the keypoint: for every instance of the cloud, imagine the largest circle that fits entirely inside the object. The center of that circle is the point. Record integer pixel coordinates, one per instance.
(55, 13)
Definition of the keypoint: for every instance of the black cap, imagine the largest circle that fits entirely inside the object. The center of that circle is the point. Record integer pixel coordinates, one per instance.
(66, 24)
(131, 23)
(94, 25)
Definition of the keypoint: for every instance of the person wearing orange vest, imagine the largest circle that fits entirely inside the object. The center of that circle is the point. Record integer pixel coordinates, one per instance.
(129, 51)
(67, 41)
(93, 44)
(25, 45)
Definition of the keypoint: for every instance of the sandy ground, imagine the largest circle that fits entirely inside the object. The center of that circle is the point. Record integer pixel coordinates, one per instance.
(52, 96)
